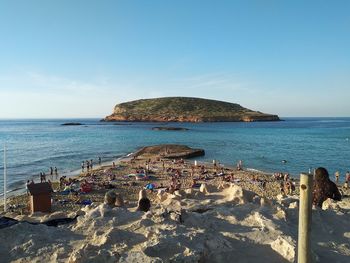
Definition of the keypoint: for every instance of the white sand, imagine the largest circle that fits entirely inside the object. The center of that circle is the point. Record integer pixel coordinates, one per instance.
(231, 225)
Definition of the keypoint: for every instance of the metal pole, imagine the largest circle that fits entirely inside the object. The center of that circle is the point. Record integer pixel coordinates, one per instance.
(5, 175)
(305, 209)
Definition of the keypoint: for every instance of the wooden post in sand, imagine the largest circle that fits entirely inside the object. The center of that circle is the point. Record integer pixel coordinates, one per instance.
(305, 208)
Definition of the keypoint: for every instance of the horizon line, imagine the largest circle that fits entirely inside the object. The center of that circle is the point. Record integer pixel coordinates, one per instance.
(72, 118)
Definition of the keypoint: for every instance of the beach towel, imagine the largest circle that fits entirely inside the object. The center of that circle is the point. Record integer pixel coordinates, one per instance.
(86, 202)
(141, 177)
(86, 188)
(150, 186)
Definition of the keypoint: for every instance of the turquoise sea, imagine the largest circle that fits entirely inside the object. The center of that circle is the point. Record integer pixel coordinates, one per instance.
(35, 145)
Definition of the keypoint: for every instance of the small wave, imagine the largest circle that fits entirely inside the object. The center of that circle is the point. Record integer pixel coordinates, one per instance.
(10, 191)
(16, 184)
(330, 121)
(258, 171)
(46, 160)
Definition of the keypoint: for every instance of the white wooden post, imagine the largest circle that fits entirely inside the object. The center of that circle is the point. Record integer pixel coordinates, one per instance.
(305, 217)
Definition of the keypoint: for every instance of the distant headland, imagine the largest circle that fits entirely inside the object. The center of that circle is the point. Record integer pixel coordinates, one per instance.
(185, 109)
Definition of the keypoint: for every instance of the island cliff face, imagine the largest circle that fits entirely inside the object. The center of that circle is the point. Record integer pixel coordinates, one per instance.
(184, 109)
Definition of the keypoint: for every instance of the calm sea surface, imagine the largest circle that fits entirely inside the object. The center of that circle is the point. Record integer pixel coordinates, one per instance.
(35, 145)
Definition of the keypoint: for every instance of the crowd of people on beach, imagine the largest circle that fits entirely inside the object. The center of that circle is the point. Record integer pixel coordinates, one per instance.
(347, 178)
(53, 175)
(323, 187)
(180, 175)
(89, 164)
(63, 181)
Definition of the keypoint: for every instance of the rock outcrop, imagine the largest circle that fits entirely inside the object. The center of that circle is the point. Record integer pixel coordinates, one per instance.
(171, 151)
(184, 109)
(71, 124)
(169, 129)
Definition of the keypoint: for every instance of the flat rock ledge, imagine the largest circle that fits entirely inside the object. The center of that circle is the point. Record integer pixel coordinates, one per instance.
(71, 124)
(169, 129)
(171, 151)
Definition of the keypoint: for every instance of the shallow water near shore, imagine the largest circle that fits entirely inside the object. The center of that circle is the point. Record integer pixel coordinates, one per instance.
(35, 145)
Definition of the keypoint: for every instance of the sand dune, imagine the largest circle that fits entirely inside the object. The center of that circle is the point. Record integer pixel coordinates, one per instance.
(228, 225)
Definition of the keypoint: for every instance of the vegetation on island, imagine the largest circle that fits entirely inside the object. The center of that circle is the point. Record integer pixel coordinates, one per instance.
(185, 109)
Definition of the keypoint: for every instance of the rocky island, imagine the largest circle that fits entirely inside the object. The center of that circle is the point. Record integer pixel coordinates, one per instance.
(185, 109)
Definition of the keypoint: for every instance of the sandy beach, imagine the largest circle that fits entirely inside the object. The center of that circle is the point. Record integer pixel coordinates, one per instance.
(125, 183)
(174, 131)
(229, 215)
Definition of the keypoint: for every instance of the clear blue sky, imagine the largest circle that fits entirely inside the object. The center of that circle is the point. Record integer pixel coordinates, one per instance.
(80, 58)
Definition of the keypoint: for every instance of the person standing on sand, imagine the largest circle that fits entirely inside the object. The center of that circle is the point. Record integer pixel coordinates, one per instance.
(87, 165)
(240, 165)
(337, 176)
(324, 188)
(56, 173)
(82, 166)
(347, 180)
(99, 161)
(91, 164)
(43, 177)
(28, 183)
(147, 168)
(51, 172)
